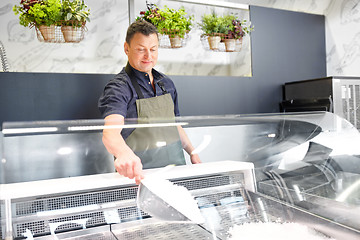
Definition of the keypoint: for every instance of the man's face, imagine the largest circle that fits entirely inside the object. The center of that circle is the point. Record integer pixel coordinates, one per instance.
(142, 52)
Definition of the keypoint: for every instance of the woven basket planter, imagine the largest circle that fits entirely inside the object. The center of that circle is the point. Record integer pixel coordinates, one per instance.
(73, 32)
(171, 39)
(47, 33)
(219, 42)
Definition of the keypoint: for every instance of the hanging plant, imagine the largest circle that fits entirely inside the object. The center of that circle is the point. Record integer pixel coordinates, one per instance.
(50, 16)
(238, 29)
(151, 15)
(227, 29)
(212, 24)
(44, 15)
(75, 14)
(33, 12)
(176, 24)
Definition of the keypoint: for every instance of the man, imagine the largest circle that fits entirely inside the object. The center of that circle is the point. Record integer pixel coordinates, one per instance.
(139, 91)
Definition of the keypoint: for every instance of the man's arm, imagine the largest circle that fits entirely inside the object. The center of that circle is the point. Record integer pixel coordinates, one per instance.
(126, 162)
(185, 142)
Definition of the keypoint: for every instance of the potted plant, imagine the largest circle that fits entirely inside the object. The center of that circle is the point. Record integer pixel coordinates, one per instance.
(213, 26)
(227, 29)
(173, 23)
(150, 15)
(41, 14)
(74, 14)
(237, 30)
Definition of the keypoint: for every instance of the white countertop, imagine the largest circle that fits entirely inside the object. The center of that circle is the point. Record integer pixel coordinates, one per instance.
(108, 180)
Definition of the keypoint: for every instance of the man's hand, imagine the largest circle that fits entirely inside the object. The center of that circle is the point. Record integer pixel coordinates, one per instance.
(129, 165)
(195, 159)
(186, 144)
(126, 162)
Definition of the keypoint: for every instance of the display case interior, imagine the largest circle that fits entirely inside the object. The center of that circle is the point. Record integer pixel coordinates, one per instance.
(295, 171)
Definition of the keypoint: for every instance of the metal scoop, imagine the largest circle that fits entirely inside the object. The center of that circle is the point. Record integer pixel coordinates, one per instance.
(163, 200)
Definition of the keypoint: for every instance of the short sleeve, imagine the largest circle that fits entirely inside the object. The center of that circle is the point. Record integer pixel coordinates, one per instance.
(115, 97)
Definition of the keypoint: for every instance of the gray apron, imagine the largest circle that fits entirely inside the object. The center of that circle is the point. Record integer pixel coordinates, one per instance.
(155, 146)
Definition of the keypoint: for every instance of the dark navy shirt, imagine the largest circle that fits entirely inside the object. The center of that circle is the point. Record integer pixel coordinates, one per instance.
(119, 96)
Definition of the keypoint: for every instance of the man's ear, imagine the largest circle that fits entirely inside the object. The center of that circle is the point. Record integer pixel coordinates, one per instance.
(126, 48)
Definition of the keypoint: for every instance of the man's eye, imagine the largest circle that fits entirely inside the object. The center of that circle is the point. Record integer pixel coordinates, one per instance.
(141, 50)
(153, 50)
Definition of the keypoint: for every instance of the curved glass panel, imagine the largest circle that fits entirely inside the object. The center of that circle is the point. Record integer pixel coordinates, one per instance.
(278, 168)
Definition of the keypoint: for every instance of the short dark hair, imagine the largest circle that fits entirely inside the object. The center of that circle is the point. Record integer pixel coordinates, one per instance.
(140, 26)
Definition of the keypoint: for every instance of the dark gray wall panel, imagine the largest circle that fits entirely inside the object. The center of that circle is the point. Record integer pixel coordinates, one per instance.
(286, 46)
(50, 96)
(213, 95)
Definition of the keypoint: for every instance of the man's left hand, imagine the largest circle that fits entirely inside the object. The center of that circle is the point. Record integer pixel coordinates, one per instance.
(195, 159)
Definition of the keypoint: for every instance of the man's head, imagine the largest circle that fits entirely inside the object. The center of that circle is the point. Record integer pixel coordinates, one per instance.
(142, 27)
(141, 45)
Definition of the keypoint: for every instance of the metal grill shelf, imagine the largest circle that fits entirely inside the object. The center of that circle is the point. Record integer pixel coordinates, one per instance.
(67, 212)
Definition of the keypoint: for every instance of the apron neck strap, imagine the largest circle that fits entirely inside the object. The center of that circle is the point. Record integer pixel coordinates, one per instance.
(135, 84)
(130, 73)
(161, 85)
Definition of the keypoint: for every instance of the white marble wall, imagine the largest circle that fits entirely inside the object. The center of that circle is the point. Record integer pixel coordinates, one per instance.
(102, 49)
(100, 52)
(343, 38)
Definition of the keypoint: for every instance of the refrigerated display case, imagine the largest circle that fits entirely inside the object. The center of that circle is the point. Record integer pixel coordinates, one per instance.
(58, 181)
(337, 94)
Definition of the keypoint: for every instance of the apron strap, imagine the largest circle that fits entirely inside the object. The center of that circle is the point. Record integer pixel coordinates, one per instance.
(161, 85)
(130, 73)
(136, 85)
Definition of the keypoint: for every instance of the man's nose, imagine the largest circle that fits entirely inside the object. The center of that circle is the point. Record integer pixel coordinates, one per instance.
(147, 53)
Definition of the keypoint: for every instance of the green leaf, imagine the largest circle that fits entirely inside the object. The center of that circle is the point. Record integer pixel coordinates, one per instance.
(68, 16)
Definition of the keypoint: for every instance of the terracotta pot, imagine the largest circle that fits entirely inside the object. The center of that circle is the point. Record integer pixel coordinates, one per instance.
(230, 45)
(47, 32)
(175, 42)
(214, 42)
(71, 34)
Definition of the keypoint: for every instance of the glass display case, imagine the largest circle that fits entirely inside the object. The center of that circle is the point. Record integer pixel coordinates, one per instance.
(295, 171)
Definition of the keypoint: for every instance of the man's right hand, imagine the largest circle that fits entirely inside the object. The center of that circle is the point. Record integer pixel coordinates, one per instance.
(129, 165)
